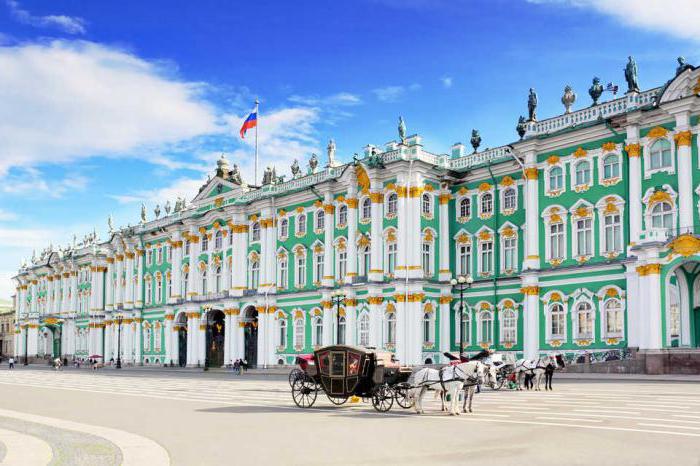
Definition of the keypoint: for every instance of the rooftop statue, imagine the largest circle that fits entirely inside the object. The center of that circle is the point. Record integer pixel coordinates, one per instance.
(235, 175)
(109, 223)
(631, 75)
(596, 90)
(330, 149)
(296, 170)
(375, 159)
(476, 139)
(532, 105)
(267, 176)
(521, 127)
(568, 98)
(313, 163)
(402, 130)
(682, 65)
(168, 207)
(222, 167)
(143, 213)
(157, 210)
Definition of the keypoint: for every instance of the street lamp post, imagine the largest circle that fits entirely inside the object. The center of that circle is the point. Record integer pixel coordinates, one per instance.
(337, 297)
(461, 283)
(26, 345)
(119, 320)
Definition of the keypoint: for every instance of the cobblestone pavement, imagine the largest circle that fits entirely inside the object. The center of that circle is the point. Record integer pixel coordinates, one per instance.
(214, 419)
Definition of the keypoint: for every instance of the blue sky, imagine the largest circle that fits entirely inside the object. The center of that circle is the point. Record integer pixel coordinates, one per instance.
(104, 105)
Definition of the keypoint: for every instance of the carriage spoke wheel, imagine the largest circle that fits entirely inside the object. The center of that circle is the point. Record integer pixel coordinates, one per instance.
(383, 398)
(500, 381)
(337, 400)
(304, 392)
(401, 395)
(295, 374)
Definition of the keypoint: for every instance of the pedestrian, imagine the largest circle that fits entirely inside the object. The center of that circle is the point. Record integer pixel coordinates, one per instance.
(548, 374)
(11, 361)
(237, 367)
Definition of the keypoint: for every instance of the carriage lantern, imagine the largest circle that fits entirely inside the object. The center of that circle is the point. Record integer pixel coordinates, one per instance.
(337, 297)
(462, 283)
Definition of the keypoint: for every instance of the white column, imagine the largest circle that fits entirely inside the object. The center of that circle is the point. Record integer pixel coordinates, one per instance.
(446, 323)
(351, 245)
(192, 324)
(375, 320)
(227, 336)
(683, 138)
(328, 278)
(109, 292)
(118, 288)
(351, 321)
(33, 308)
(531, 316)
(632, 308)
(194, 282)
(445, 272)
(176, 268)
(532, 258)
(168, 337)
(328, 316)
(138, 341)
(402, 239)
(376, 269)
(74, 292)
(635, 182)
(650, 310)
(129, 278)
(139, 278)
(202, 340)
(32, 340)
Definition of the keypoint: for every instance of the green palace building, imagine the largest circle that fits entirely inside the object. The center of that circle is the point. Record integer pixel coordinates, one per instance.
(579, 236)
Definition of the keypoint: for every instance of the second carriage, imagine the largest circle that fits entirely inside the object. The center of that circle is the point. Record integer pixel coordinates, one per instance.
(342, 372)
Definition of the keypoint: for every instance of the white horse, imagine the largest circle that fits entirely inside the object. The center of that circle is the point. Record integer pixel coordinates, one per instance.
(448, 381)
(534, 367)
(57, 364)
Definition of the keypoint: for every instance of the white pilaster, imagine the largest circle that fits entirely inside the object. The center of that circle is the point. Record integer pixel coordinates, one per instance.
(376, 269)
(445, 272)
(531, 174)
(352, 202)
(633, 150)
(531, 316)
(328, 278)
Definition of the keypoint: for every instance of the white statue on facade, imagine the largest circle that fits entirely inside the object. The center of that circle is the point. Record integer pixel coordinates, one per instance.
(331, 153)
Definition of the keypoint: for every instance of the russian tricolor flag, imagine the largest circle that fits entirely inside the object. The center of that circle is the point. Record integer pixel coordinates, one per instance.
(250, 122)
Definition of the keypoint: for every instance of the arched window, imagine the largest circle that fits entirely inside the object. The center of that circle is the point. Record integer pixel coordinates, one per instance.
(392, 202)
(168, 285)
(391, 252)
(365, 261)
(390, 329)
(317, 331)
(204, 280)
(300, 270)
(662, 215)
(301, 224)
(363, 325)
(557, 321)
(426, 204)
(464, 329)
(613, 317)
(283, 274)
(187, 247)
(320, 220)
(254, 273)
(510, 198)
(282, 335)
(366, 208)
(427, 255)
(660, 155)
(218, 283)
(149, 290)
(611, 167)
(205, 242)
(343, 215)
(427, 327)
(219, 240)
(486, 327)
(255, 231)
(183, 287)
(341, 330)
(284, 228)
(509, 326)
(299, 333)
(584, 320)
(465, 207)
(583, 173)
(486, 204)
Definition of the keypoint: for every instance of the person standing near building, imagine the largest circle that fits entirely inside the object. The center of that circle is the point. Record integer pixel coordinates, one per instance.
(11, 362)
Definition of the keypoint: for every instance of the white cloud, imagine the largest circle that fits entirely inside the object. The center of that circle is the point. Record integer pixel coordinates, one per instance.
(67, 100)
(180, 187)
(394, 93)
(69, 24)
(446, 82)
(32, 183)
(678, 18)
(6, 215)
(339, 99)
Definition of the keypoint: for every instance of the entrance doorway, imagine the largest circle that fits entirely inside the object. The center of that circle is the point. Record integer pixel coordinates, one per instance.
(182, 340)
(696, 324)
(215, 338)
(250, 336)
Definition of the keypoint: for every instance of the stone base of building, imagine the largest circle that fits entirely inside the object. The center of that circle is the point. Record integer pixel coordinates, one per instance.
(652, 362)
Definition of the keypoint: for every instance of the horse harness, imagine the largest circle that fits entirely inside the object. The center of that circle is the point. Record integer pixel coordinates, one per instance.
(472, 379)
(531, 370)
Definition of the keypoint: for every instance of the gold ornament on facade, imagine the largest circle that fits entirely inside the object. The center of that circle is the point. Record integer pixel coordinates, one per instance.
(508, 232)
(429, 188)
(530, 290)
(584, 342)
(633, 150)
(610, 208)
(608, 146)
(612, 341)
(508, 304)
(611, 293)
(375, 300)
(391, 236)
(428, 236)
(462, 191)
(299, 251)
(445, 299)
(253, 218)
(531, 173)
(657, 132)
(485, 235)
(444, 198)
(485, 306)
(685, 245)
(463, 238)
(352, 202)
(660, 196)
(555, 343)
(611, 181)
(683, 138)
(507, 181)
(329, 209)
(376, 198)
(580, 152)
(582, 212)
(428, 308)
(363, 241)
(555, 218)
(552, 160)
(484, 187)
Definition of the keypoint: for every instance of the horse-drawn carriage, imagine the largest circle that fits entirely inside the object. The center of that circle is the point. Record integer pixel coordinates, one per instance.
(345, 371)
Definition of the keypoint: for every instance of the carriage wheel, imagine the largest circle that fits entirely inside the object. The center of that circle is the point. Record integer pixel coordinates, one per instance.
(402, 397)
(500, 381)
(304, 392)
(294, 374)
(383, 398)
(337, 400)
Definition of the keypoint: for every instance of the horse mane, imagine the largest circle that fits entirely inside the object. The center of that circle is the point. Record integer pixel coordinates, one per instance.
(483, 354)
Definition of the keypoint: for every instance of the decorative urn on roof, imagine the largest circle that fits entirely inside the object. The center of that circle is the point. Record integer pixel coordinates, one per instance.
(568, 98)
(475, 140)
(521, 127)
(596, 90)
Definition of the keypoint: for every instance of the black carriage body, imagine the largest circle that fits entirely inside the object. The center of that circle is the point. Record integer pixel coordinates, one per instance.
(343, 371)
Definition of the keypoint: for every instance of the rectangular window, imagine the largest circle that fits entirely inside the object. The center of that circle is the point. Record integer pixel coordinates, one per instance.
(427, 269)
(556, 241)
(301, 272)
(509, 253)
(464, 259)
(486, 257)
(342, 264)
(584, 237)
(318, 269)
(613, 233)
(391, 258)
(283, 275)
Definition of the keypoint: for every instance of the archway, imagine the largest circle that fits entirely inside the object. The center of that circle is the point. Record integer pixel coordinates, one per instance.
(682, 306)
(215, 338)
(250, 335)
(181, 324)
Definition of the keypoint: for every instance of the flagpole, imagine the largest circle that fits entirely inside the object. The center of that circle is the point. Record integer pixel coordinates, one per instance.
(257, 123)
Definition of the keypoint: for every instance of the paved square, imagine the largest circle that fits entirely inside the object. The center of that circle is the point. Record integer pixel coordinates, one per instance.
(218, 418)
